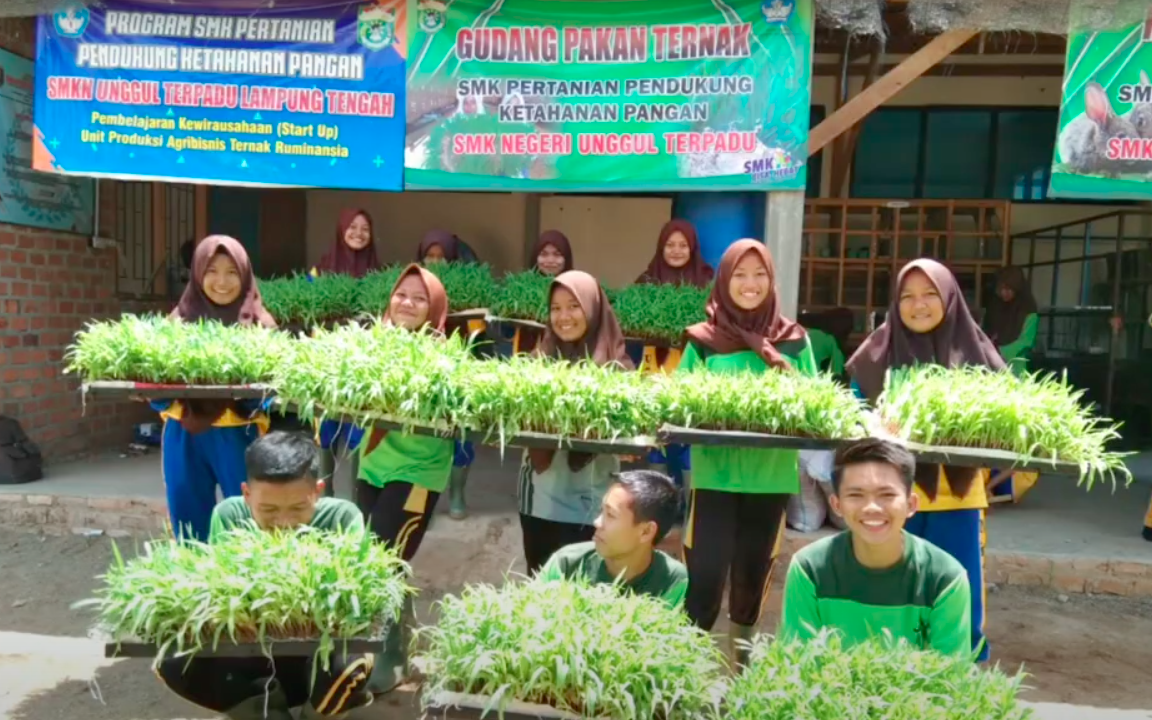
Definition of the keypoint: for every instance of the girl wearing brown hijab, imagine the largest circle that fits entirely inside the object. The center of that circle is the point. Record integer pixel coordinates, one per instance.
(678, 260)
(739, 495)
(402, 475)
(551, 256)
(204, 441)
(561, 491)
(353, 250)
(929, 323)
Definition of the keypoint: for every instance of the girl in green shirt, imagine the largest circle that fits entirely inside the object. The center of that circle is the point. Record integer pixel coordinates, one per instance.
(739, 495)
(402, 475)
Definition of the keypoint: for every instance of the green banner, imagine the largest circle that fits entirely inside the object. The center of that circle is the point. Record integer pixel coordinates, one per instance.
(1104, 146)
(575, 95)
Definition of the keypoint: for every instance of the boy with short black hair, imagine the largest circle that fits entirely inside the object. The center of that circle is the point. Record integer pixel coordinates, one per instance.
(637, 512)
(281, 493)
(874, 576)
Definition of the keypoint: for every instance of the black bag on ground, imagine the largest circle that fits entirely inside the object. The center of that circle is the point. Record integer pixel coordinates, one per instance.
(20, 458)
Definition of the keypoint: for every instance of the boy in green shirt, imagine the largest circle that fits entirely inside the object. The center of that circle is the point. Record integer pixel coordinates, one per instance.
(281, 493)
(875, 577)
(638, 510)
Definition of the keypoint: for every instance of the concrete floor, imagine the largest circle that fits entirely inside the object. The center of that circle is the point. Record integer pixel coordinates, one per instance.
(1057, 517)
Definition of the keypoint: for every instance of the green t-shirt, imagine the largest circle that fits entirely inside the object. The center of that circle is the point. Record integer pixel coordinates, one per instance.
(331, 514)
(665, 578)
(402, 457)
(825, 349)
(746, 470)
(924, 599)
(1016, 352)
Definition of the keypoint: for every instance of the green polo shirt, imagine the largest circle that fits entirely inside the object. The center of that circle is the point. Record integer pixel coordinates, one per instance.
(665, 578)
(402, 457)
(331, 514)
(924, 599)
(746, 470)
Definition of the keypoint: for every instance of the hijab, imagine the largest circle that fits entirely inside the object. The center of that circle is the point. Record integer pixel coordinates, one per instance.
(729, 328)
(247, 309)
(696, 272)
(956, 341)
(558, 240)
(1005, 320)
(342, 259)
(603, 342)
(437, 297)
(448, 242)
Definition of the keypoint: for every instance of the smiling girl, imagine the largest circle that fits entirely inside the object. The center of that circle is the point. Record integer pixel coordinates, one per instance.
(736, 507)
(929, 322)
(402, 475)
(204, 440)
(551, 256)
(560, 491)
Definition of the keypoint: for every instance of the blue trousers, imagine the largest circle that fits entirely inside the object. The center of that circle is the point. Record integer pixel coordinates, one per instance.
(194, 465)
(333, 432)
(676, 457)
(960, 533)
(465, 454)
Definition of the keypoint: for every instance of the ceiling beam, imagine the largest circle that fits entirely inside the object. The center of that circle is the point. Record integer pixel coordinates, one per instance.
(862, 105)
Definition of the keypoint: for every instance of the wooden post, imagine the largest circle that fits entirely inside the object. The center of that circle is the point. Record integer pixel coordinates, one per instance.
(783, 232)
(845, 149)
(158, 282)
(200, 222)
(886, 87)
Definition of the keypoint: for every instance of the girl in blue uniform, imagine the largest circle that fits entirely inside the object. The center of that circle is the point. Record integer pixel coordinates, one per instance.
(929, 322)
(204, 440)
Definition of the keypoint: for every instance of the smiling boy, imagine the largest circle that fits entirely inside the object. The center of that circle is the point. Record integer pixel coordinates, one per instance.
(637, 512)
(874, 577)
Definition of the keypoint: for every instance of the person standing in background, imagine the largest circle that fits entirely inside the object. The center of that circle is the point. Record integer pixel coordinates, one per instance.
(1011, 323)
(551, 256)
(929, 323)
(353, 253)
(203, 442)
(736, 508)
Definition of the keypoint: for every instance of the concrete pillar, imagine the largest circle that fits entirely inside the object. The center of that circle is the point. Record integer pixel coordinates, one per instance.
(783, 229)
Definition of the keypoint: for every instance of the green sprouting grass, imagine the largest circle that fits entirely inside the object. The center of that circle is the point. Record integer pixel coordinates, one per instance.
(253, 587)
(376, 370)
(469, 285)
(524, 296)
(776, 403)
(376, 291)
(822, 680)
(1038, 416)
(579, 648)
(308, 301)
(659, 312)
(154, 349)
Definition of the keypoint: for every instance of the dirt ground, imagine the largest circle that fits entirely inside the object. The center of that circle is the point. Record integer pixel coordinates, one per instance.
(1085, 651)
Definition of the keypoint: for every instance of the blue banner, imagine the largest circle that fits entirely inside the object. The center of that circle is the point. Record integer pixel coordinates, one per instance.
(305, 93)
(28, 197)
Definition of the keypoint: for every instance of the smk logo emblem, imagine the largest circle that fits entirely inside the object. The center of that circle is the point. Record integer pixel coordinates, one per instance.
(72, 21)
(778, 165)
(376, 28)
(777, 11)
(431, 15)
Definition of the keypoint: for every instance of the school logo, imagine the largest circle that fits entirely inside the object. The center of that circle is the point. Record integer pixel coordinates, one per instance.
(376, 27)
(431, 15)
(777, 11)
(777, 165)
(72, 21)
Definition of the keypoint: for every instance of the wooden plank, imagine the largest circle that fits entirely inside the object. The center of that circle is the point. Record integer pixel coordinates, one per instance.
(460, 706)
(126, 390)
(672, 435)
(982, 458)
(846, 145)
(159, 279)
(276, 648)
(885, 88)
(200, 222)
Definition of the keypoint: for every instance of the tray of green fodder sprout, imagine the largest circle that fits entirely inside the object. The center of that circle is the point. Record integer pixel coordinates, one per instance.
(823, 679)
(975, 417)
(154, 357)
(658, 314)
(566, 649)
(301, 302)
(252, 593)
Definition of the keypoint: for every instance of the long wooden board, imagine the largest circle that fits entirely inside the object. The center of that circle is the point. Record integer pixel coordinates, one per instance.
(672, 435)
(459, 706)
(127, 390)
(277, 648)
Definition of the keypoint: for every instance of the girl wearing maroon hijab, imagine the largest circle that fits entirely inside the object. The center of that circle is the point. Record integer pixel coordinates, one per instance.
(204, 441)
(551, 256)
(353, 250)
(561, 491)
(739, 495)
(929, 323)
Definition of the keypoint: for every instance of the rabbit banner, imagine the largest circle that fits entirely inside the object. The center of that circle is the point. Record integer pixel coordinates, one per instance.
(1104, 147)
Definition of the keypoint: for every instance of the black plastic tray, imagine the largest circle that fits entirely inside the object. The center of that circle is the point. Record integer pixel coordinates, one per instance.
(672, 435)
(458, 706)
(982, 458)
(126, 390)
